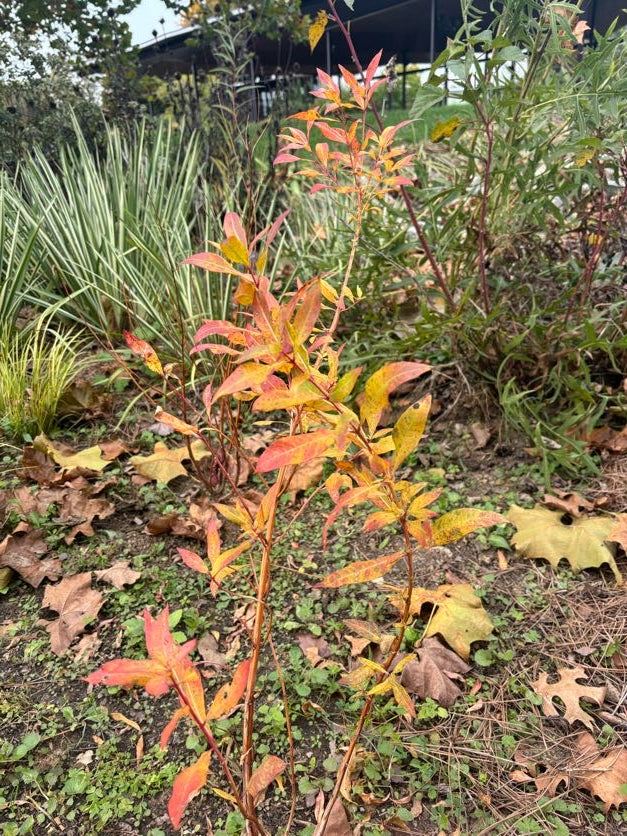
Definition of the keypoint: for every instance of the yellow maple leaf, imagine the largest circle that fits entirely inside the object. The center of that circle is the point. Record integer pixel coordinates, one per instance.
(547, 534)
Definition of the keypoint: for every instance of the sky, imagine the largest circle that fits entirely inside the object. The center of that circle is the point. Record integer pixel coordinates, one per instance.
(146, 17)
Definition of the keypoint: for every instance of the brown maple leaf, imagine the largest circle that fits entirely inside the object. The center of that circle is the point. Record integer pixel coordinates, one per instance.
(431, 675)
(569, 692)
(23, 553)
(77, 605)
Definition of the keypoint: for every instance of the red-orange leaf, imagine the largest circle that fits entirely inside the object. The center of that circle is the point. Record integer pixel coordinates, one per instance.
(382, 383)
(127, 673)
(154, 674)
(193, 560)
(269, 769)
(244, 377)
(145, 351)
(166, 734)
(212, 262)
(186, 784)
(360, 572)
(295, 449)
(230, 694)
(175, 423)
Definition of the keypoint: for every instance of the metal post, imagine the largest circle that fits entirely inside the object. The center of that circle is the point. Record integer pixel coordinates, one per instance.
(432, 31)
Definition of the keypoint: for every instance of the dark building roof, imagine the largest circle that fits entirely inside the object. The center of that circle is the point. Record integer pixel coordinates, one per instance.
(413, 30)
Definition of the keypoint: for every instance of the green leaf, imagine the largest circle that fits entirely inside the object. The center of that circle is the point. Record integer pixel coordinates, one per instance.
(27, 744)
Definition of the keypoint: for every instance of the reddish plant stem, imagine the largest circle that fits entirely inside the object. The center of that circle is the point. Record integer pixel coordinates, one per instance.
(487, 170)
(215, 749)
(437, 271)
(263, 589)
(367, 708)
(601, 236)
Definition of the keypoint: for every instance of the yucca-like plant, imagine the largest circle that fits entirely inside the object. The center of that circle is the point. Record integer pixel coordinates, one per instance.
(18, 259)
(114, 227)
(36, 368)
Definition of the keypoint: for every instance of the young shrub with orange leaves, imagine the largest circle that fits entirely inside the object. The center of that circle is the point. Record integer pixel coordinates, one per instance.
(283, 357)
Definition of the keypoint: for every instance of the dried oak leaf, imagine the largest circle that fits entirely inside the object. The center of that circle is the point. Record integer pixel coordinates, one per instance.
(544, 534)
(88, 459)
(22, 553)
(430, 675)
(546, 776)
(570, 692)
(76, 603)
(458, 616)
(568, 503)
(606, 776)
(118, 575)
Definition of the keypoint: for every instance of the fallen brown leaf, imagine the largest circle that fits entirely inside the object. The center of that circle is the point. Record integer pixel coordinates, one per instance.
(569, 503)
(606, 776)
(432, 672)
(569, 692)
(36, 465)
(605, 438)
(77, 605)
(112, 449)
(208, 649)
(481, 435)
(23, 555)
(119, 575)
(78, 505)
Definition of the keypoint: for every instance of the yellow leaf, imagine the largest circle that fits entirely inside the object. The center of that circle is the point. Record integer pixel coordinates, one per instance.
(88, 459)
(235, 251)
(409, 429)
(444, 129)
(225, 795)
(316, 30)
(328, 291)
(458, 616)
(457, 524)
(164, 463)
(584, 157)
(541, 533)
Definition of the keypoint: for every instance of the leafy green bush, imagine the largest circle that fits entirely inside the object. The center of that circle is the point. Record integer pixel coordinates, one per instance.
(522, 197)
